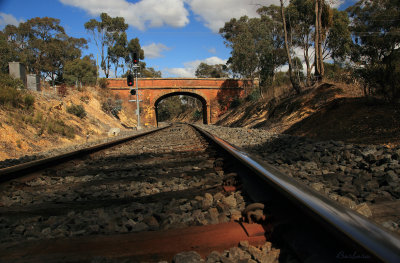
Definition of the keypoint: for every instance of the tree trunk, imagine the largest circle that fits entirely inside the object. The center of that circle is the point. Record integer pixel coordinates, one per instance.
(307, 61)
(293, 79)
(319, 64)
(321, 58)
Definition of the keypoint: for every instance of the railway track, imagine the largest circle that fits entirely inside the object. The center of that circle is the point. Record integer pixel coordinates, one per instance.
(175, 190)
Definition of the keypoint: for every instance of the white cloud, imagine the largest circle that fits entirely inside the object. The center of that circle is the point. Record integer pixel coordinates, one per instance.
(7, 19)
(154, 50)
(143, 14)
(157, 13)
(336, 3)
(215, 13)
(189, 69)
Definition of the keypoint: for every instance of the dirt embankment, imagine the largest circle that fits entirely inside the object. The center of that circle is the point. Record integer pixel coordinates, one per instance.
(49, 125)
(326, 112)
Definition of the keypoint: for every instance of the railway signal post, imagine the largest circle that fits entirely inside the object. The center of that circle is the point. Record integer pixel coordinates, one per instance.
(135, 91)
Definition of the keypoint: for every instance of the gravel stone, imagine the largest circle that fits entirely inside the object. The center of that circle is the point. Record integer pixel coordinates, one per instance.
(348, 173)
(230, 201)
(187, 257)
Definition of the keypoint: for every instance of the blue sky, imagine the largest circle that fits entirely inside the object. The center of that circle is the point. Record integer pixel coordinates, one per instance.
(176, 34)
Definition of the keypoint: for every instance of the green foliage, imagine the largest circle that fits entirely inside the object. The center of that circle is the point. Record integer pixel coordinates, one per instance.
(236, 102)
(254, 95)
(145, 72)
(103, 83)
(119, 51)
(337, 72)
(211, 71)
(7, 53)
(197, 115)
(12, 96)
(255, 46)
(108, 36)
(82, 70)
(42, 123)
(7, 81)
(339, 41)
(29, 101)
(77, 110)
(43, 46)
(169, 107)
(281, 79)
(134, 47)
(150, 73)
(376, 47)
(33, 119)
(112, 106)
(59, 127)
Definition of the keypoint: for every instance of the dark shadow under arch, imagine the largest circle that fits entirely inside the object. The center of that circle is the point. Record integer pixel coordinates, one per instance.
(194, 95)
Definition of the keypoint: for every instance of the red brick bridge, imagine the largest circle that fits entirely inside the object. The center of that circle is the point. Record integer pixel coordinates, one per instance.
(214, 93)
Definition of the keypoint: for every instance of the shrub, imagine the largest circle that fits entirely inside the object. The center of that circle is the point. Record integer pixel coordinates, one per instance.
(235, 103)
(77, 110)
(7, 81)
(12, 96)
(281, 78)
(103, 83)
(254, 95)
(59, 127)
(29, 100)
(85, 99)
(338, 73)
(197, 115)
(112, 106)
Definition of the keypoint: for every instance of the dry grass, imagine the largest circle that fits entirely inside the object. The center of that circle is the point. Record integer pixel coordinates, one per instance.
(48, 124)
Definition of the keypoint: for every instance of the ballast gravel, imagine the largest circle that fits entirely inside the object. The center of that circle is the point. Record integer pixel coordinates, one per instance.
(356, 176)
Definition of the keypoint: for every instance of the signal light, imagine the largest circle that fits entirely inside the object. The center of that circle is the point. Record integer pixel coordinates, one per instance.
(135, 58)
(133, 92)
(129, 80)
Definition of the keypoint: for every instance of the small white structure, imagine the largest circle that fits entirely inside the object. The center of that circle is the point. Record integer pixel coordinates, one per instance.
(17, 71)
(33, 82)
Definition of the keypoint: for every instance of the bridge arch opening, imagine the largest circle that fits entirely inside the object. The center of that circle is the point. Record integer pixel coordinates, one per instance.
(194, 95)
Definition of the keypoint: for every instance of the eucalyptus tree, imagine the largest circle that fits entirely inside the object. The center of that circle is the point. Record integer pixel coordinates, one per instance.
(333, 40)
(211, 71)
(43, 46)
(150, 73)
(82, 70)
(253, 47)
(293, 79)
(106, 33)
(134, 48)
(118, 52)
(376, 53)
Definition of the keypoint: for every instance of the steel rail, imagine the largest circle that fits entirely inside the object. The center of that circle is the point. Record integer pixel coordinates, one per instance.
(366, 234)
(20, 170)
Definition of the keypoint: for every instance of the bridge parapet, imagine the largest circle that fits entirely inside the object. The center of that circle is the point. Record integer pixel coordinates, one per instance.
(182, 82)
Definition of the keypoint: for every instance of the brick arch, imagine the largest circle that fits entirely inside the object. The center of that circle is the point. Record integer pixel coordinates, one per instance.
(205, 104)
(217, 93)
